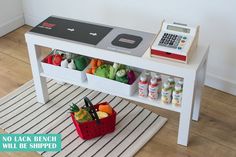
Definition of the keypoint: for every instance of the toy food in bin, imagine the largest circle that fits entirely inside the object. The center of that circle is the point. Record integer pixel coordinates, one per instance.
(93, 120)
(117, 72)
(67, 60)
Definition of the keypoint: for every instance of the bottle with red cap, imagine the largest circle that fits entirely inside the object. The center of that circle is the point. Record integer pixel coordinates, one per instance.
(159, 82)
(143, 86)
(153, 89)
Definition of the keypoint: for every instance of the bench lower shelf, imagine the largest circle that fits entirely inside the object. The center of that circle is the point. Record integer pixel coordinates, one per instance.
(134, 97)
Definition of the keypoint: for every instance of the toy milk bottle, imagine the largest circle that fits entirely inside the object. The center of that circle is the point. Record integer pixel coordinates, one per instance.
(172, 82)
(166, 93)
(181, 83)
(153, 89)
(177, 95)
(143, 86)
(159, 82)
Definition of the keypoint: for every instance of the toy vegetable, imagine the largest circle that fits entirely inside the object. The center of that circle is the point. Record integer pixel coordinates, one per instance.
(71, 65)
(131, 76)
(102, 71)
(94, 64)
(80, 63)
(121, 76)
(112, 73)
(113, 70)
(64, 63)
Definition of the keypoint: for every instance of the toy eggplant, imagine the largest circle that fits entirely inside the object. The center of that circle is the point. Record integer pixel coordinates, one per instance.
(131, 76)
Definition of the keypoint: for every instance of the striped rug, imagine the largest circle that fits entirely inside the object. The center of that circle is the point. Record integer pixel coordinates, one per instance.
(21, 113)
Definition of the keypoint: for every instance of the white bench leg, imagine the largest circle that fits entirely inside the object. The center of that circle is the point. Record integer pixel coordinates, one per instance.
(186, 110)
(39, 81)
(198, 93)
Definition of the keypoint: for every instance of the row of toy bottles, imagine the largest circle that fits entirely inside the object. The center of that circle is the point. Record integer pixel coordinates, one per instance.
(151, 87)
(172, 92)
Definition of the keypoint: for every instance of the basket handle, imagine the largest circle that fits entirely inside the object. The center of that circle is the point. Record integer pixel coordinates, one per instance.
(93, 113)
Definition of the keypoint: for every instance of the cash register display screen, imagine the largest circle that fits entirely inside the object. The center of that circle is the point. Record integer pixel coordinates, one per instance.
(124, 40)
(179, 29)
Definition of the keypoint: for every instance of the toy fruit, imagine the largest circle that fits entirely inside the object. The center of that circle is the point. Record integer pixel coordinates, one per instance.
(64, 63)
(101, 114)
(74, 108)
(105, 108)
(81, 115)
(71, 65)
(80, 63)
(49, 59)
(57, 59)
(131, 76)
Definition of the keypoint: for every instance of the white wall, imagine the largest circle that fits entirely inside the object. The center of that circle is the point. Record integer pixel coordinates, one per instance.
(11, 15)
(217, 19)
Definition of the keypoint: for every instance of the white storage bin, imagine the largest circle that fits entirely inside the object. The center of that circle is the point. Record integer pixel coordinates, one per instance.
(113, 86)
(69, 75)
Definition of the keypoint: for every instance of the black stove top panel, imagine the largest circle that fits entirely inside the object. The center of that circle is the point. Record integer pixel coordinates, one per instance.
(72, 30)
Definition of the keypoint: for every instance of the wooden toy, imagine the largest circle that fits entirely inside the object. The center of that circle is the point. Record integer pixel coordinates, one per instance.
(175, 42)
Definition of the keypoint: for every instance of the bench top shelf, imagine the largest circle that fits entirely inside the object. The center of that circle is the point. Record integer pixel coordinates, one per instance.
(144, 62)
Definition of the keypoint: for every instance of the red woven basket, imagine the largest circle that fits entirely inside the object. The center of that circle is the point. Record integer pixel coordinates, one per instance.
(95, 128)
